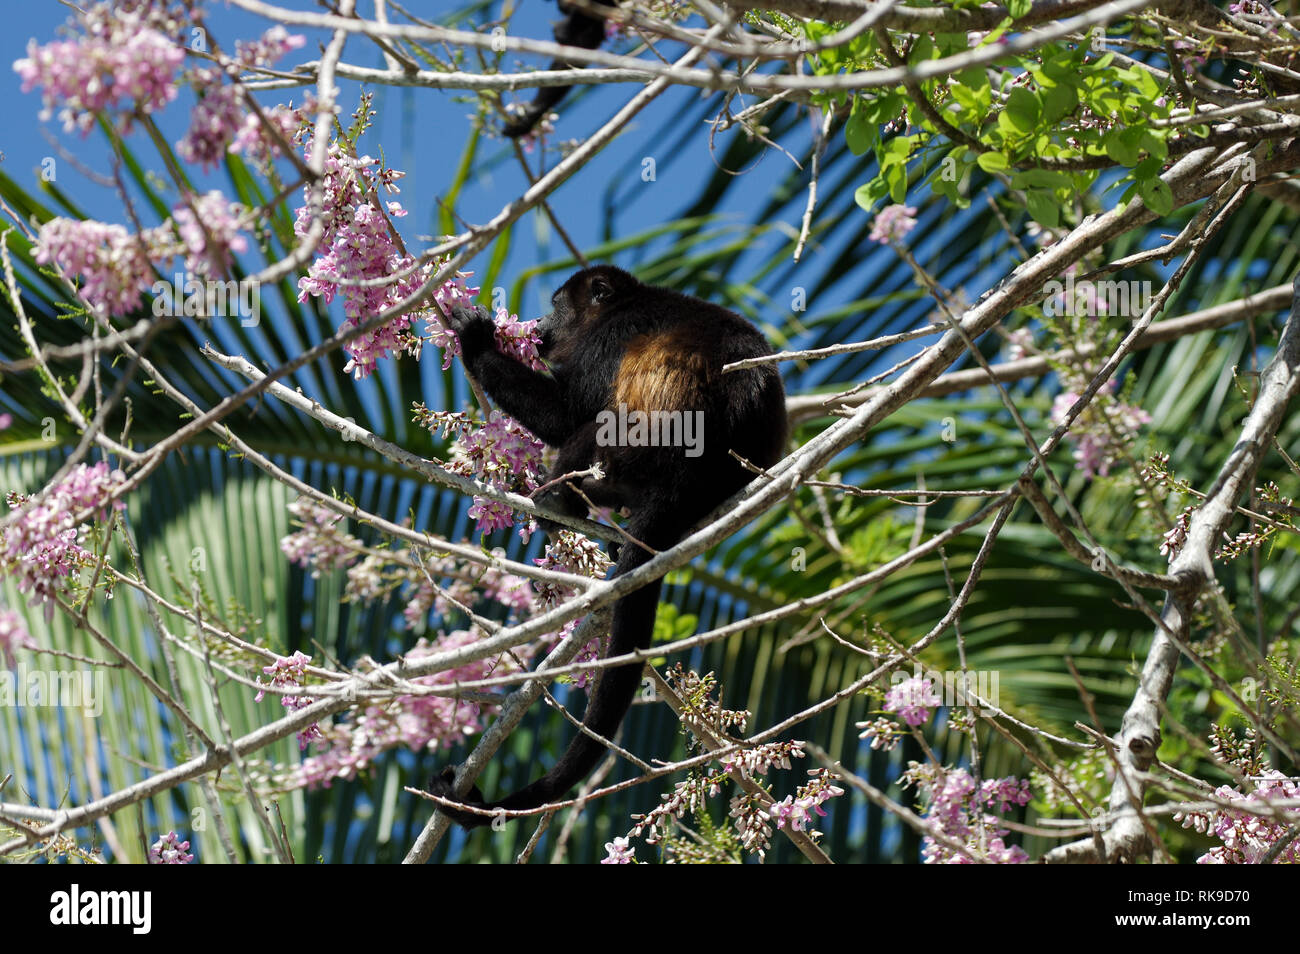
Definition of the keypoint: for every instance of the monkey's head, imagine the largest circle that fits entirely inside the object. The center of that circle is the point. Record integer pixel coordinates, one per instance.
(580, 304)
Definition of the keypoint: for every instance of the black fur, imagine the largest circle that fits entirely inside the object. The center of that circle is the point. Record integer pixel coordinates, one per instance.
(576, 29)
(610, 339)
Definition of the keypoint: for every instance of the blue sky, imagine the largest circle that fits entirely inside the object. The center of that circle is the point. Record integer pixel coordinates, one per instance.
(420, 131)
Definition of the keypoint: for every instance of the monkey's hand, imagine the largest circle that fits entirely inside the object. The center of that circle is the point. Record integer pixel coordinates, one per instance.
(443, 785)
(474, 327)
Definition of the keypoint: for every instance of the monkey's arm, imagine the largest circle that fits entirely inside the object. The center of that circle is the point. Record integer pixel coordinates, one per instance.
(534, 399)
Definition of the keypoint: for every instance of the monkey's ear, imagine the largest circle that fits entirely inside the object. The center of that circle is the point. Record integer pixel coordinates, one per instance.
(601, 289)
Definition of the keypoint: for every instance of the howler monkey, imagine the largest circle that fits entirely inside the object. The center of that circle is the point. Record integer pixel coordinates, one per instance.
(576, 29)
(616, 347)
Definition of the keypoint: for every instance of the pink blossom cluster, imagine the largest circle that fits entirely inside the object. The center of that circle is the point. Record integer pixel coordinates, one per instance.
(367, 581)
(219, 121)
(687, 797)
(41, 545)
(253, 140)
(363, 260)
(112, 262)
(752, 823)
(1102, 431)
(209, 226)
(756, 760)
(1249, 834)
(883, 734)
(912, 699)
(418, 722)
(291, 671)
(1018, 343)
(591, 652)
(508, 589)
(796, 810)
(267, 49)
(460, 593)
(170, 850)
(1173, 539)
(957, 803)
(618, 852)
(518, 339)
(504, 455)
(13, 636)
(892, 223)
(418, 605)
(320, 544)
(128, 63)
(569, 552)
(214, 120)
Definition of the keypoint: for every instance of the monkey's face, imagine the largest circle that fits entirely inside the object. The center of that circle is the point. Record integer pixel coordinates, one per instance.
(580, 304)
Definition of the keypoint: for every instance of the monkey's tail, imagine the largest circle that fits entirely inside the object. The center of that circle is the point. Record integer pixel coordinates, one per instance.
(577, 29)
(632, 628)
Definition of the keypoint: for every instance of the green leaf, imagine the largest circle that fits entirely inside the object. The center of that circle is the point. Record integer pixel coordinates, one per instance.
(1157, 195)
(879, 109)
(1148, 168)
(895, 151)
(1023, 109)
(860, 133)
(1119, 148)
(992, 162)
(1063, 67)
(1058, 102)
(896, 176)
(868, 195)
(1043, 208)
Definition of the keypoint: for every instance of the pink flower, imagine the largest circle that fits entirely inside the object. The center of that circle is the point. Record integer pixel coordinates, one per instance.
(170, 850)
(1248, 834)
(255, 141)
(416, 722)
(518, 339)
(13, 636)
(41, 546)
(1102, 430)
(209, 216)
(618, 853)
(321, 544)
(112, 263)
(270, 47)
(214, 120)
(291, 671)
(958, 810)
(503, 454)
(363, 262)
(96, 72)
(912, 699)
(892, 223)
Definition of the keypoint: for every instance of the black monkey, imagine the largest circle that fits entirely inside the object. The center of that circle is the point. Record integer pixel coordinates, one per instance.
(616, 346)
(576, 29)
